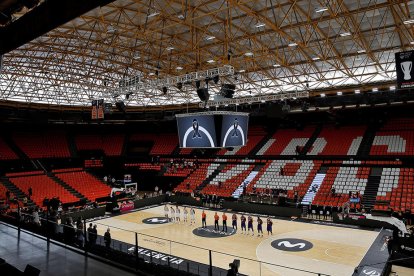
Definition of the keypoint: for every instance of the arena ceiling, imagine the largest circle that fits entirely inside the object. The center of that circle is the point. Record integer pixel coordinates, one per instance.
(275, 46)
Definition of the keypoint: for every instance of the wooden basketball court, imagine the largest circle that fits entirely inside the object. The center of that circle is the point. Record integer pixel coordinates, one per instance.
(334, 251)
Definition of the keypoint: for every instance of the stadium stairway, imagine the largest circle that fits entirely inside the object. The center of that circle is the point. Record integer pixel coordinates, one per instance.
(68, 187)
(311, 140)
(367, 140)
(210, 177)
(72, 145)
(260, 148)
(16, 191)
(313, 188)
(9, 141)
(371, 190)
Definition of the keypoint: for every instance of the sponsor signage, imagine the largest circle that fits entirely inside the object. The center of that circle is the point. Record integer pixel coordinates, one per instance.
(126, 205)
(156, 255)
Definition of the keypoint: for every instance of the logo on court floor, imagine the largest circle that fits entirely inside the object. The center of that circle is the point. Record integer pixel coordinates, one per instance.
(155, 220)
(293, 245)
(209, 232)
(368, 270)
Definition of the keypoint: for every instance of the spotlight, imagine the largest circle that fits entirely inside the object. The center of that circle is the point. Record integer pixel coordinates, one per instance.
(216, 79)
(197, 84)
(164, 90)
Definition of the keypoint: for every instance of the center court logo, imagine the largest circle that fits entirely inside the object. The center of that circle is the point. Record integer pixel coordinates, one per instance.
(292, 245)
(155, 220)
(209, 232)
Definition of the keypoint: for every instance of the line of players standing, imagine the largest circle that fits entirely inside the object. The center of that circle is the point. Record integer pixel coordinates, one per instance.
(175, 215)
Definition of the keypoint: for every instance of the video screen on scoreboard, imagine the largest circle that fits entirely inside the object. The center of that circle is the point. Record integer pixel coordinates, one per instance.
(234, 128)
(197, 131)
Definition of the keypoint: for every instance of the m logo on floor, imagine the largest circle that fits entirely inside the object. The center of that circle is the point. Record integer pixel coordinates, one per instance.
(294, 245)
(210, 232)
(155, 220)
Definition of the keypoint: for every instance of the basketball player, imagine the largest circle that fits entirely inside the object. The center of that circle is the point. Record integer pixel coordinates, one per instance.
(177, 214)
(224, 217)
(172, 214)
(216, 222)
(166, 211)
(234, 221)
(269, 226)
(185, 215)
(203, 219)
(259, 227)
(243, 224)
(192, 216)
(250, 225)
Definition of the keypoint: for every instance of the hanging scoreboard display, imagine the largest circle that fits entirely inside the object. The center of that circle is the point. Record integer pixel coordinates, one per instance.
(404, 67)
(212, 129)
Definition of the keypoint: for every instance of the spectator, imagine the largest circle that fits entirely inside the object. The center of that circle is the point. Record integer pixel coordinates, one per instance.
(105, 179)
(68, 231)
(30, 192)
(107, 239)
(333, 192)
(7, 196)
(281, 171)
(80, 234)
(90, 233)
(94, 234)
(156, 190)
(36, 218)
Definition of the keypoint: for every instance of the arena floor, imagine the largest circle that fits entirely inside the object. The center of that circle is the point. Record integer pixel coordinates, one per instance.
(333, 250)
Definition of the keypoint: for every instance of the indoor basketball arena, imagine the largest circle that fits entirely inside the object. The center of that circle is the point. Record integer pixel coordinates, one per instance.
(213, 138)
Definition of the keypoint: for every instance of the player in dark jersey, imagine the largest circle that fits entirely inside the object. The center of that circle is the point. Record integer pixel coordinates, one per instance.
(234, 221)
(224, 216)
(259, 227)
(269, 226)
(243, 224)
(250, 225)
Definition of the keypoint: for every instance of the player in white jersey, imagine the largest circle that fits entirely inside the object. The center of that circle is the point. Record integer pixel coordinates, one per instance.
(185, 214)
(192, 216)
(177, 215)
(166, 210)
(172, 213)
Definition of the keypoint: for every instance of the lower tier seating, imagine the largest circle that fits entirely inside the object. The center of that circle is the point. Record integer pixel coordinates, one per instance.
(43, 187)
(396, 189)
(343, 180)
(85, 184)
(228, 180)
(290, 175)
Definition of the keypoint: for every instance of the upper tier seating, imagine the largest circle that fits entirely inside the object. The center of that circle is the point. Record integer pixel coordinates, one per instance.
(344, 180)
(285, 141)
(230, 177)
(111, 144)
(43, 187)
(43, 145)
(396, 137)
(86, 184)
(397, 188)
(164, 144)
(6, 153)
(338, 141)
(297, 176)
